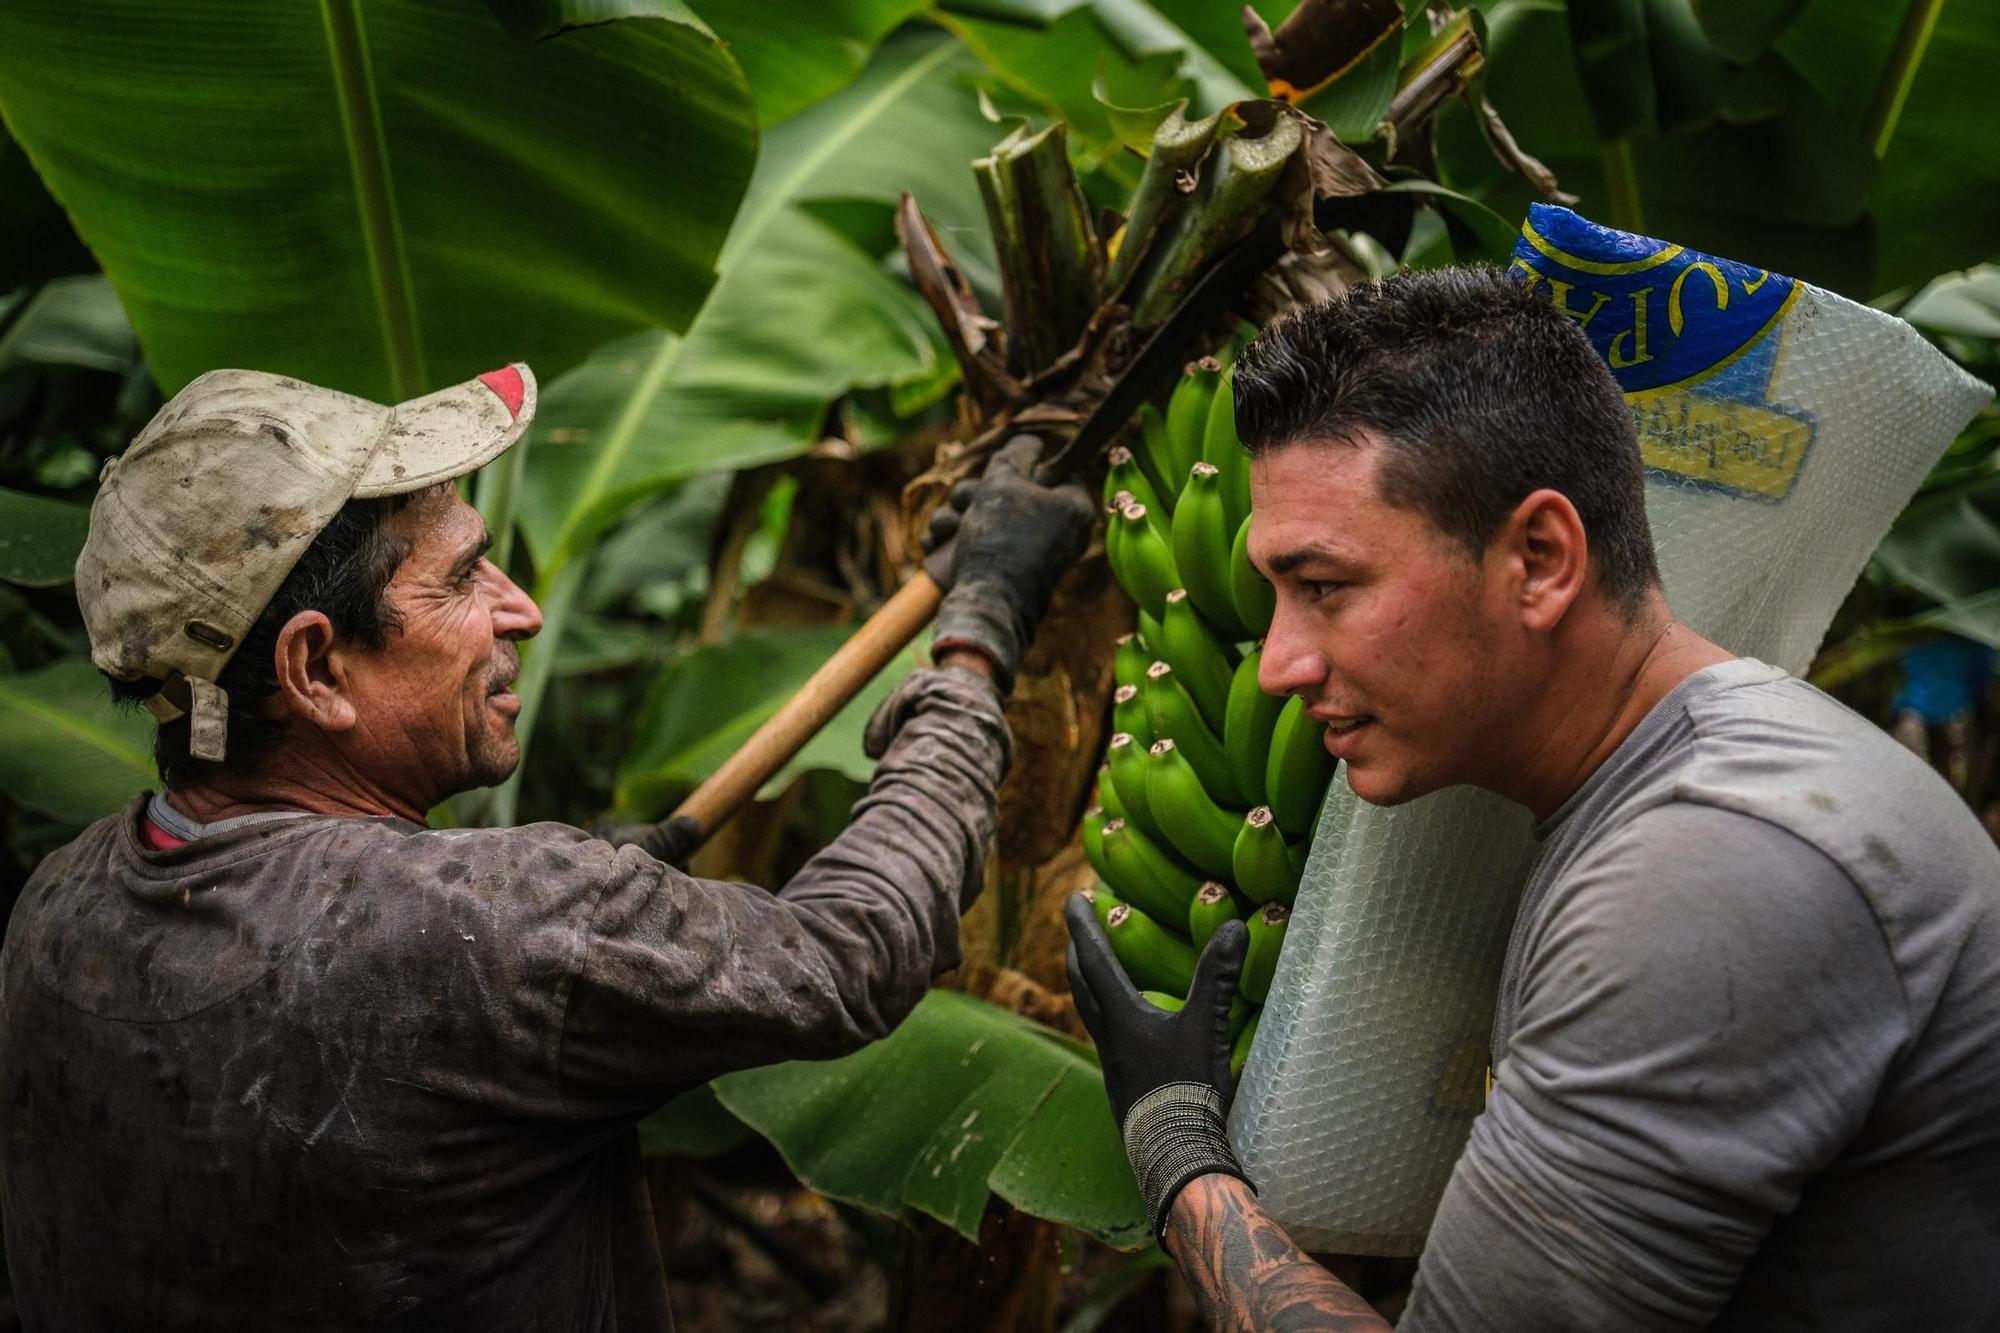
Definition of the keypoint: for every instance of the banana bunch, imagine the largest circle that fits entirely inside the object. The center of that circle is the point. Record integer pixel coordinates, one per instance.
(1210, 788)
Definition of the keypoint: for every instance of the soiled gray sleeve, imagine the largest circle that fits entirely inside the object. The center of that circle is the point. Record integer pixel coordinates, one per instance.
(682, 979)
(1706, 1012)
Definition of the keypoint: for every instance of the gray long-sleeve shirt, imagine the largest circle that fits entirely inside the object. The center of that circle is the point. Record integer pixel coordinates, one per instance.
(1747, 1057)
(330, 1073)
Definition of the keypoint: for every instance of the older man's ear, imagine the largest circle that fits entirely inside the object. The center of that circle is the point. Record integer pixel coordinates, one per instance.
(314, 679)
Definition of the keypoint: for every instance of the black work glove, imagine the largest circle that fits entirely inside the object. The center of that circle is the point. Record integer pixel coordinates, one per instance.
(997, 546)
(1167, 1074)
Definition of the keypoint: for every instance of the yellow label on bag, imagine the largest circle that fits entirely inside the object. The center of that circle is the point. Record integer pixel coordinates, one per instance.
(1748, 448)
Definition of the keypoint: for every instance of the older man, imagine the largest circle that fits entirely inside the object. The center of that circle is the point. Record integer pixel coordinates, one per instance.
(277, 1056)
(1747, 1058)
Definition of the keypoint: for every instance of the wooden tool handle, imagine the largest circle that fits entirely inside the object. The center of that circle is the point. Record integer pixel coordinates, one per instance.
(852, 666)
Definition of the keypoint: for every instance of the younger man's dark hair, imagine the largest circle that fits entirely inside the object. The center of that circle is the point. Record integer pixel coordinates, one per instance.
(344, 573)
(1482, 392)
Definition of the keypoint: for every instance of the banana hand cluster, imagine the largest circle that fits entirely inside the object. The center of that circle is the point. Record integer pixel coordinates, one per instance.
(1210, 788)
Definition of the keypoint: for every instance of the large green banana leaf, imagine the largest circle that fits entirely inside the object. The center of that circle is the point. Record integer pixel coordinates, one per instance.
(1759, 142)
(960, 1102)
(64, 750)
(705, 706)
(381, 195)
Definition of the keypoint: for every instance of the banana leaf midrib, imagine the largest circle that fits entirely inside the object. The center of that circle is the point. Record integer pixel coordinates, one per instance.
(375, 195)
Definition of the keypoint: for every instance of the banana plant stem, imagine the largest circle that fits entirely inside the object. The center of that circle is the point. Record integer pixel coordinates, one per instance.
(1900, 73)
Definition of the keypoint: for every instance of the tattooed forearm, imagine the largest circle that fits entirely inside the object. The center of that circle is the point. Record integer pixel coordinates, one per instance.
(1247, 1274)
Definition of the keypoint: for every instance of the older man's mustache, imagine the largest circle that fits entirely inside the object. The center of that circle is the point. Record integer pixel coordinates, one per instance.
(506, 667)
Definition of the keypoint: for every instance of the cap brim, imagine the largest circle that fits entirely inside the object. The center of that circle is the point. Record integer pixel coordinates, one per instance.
(451, 432)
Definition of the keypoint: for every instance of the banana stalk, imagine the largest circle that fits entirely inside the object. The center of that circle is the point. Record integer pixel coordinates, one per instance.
(1050, 264)
(1178, 147)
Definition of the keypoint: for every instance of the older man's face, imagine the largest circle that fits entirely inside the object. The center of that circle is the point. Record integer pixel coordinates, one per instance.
(436, 708)
(1396, 637)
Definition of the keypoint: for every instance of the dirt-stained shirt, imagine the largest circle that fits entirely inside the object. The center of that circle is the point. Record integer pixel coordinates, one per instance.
(332, 1073)
(1747, 1056)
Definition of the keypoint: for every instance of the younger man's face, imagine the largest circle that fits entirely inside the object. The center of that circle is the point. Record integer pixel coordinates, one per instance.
(1393, 633)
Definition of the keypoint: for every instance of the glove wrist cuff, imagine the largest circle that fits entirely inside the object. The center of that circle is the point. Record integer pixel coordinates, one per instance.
(1173, 1134)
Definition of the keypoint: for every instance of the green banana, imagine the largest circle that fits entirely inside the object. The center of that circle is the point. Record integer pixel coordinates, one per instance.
(1150, 635)
(1129, 660)
(1154, 959)
(1201, 662)
(1194, 825)
(1128, 714)
(1102, 900)
(1107, 794)
(1143, 873)
(1247, 721)
(1092, 832)
(1127, 757)
(1202, 533)
(1174, 714)
(1298, 770)
(1255, 600)
(1148, 572)
(1159, 999)
(1267, 939)
(1222, 447)
(1155, 456)
(1240, 1052)
(1127, 478)
(1213, 904)
(1263, 865)
(1187, 413)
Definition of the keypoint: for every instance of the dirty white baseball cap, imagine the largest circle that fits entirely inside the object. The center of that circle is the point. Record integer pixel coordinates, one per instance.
(197, 524)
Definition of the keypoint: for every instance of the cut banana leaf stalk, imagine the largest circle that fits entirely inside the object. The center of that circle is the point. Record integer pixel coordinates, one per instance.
(1195, 826)
(1173, 714)
(1247, 726)
(1202, 535)
(1240, 174)
(1164, 186)
(1051, 268)
(1267, 940)
(1213, 904)
(1202, 663)
(1153, 957)
(1261, 862)
(1255, 600)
